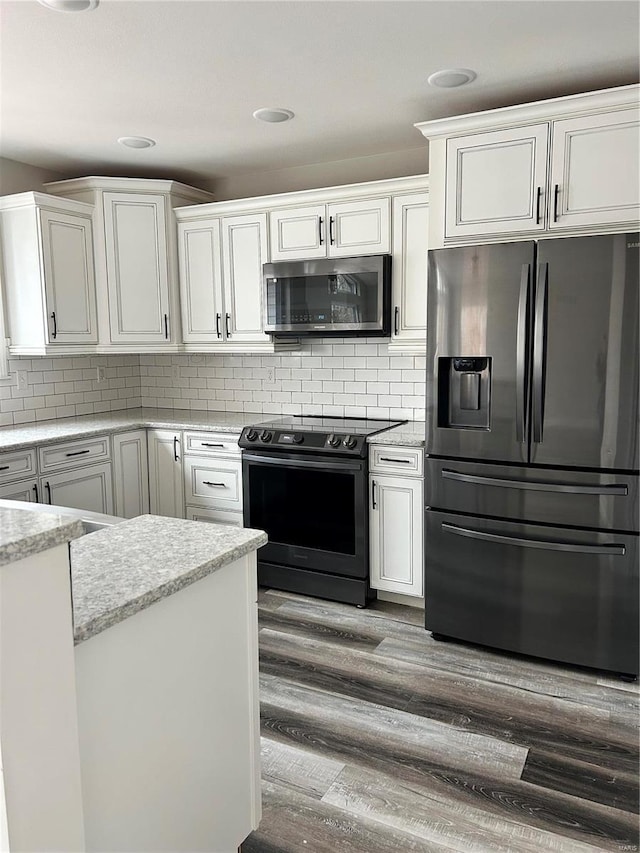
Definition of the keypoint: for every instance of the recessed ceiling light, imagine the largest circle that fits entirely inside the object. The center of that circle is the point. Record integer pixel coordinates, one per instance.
(448, 78)
(136, 142)
(70, 5)
(273, 114)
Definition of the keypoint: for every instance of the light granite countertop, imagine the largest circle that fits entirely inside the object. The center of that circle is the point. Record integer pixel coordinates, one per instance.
(83, 426)
(24, 533)
(410, 434)
(123, 569)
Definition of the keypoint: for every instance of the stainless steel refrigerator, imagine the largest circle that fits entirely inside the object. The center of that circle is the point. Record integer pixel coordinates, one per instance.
(531, 470)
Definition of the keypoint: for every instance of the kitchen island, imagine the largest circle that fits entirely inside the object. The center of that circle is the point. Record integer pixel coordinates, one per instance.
(163, 649)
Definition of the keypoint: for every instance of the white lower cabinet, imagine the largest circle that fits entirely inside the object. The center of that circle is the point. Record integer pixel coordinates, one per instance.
(214, 516)
(21, 490)
(130, 473)
(396, 522)
(213, 478)
(89, 488)
(166, 491)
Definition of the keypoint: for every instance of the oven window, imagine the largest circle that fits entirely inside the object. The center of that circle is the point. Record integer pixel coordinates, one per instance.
(304, 507)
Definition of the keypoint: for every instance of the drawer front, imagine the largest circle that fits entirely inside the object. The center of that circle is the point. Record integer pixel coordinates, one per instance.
(211, 443)
(73, 454)
(393, 459)
(17, 464)
(216, 484)
(214, 516)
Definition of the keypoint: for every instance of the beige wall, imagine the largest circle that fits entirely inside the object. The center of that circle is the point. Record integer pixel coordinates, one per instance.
(18, 177)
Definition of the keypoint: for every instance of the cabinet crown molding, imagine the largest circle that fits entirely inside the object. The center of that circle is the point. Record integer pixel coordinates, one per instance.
(569, 106)
(34, 199)
(365, 189)
(130, 185)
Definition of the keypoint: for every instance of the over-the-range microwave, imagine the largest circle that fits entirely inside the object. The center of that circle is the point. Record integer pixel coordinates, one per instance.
(328, 296)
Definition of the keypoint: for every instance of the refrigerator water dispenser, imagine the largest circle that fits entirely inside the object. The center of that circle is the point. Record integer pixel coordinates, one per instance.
(464, 392)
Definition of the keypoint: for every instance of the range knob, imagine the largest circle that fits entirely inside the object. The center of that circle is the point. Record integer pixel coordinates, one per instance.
(251, 434)
(349, 442)
(333, 440)
(266, 435)
(297, 438)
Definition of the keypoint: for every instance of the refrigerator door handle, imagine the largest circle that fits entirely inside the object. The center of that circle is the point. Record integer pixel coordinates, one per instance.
(521, 355)
(539, 343)
(614, 489)
(548, 545)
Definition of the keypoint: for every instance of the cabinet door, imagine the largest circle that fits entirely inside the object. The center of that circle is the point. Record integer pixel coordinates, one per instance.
(137, 268)
(87, 488)
(495, 182)
(244, 251)
(199, 259)
(21, 490)
(298, 233)
(166, 493)
(395, 525)
(410, 246)
(131, 473)
(69, 283)
(214, 516)
(595, 174)
(359, 227)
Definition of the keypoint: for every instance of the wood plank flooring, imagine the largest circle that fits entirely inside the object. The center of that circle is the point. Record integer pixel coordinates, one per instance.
(376, 738)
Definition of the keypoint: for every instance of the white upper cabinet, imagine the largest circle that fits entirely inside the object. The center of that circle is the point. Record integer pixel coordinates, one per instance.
(338, 229)
(200, 272)
(409, 271)
(136, 259)
(48, 274)
(244, 251)
(567, 165)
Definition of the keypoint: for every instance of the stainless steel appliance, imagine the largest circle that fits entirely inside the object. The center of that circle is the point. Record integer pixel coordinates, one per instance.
(305, 484)
(329, 296)
(531, 475)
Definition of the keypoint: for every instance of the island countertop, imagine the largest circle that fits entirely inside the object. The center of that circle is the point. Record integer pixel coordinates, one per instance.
(123, 569)
(24, 533)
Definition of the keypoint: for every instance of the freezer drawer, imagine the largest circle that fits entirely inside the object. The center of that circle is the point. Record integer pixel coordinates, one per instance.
(562, 594)
(550, 496)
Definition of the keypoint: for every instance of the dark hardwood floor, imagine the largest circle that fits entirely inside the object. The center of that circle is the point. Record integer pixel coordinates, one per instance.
(377, 738)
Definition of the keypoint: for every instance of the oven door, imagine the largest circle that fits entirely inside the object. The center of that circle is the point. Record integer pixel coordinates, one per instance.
(314, 510)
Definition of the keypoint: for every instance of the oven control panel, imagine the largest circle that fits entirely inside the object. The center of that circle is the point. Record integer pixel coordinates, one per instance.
(314, 442)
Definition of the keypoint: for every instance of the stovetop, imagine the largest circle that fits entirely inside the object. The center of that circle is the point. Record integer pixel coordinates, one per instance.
(315, 434)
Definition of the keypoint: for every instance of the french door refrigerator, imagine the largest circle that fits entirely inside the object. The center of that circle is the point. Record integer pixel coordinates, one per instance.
(531, 470)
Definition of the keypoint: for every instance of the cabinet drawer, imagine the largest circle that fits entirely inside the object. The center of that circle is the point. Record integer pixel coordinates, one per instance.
(211, 443)
(214, 516)
(17, 464)
(392, 459)
(216, 484)
(72, 454)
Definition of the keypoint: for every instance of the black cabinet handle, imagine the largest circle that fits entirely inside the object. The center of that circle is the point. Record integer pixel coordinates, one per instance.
(54, 332)
(402, 461)
(374, 505)
(4, 467)
(78, 453)
(396, 320)
(556, 193)
(166, 326)
(209, 444)
(48, 491)
(175, 448)
(227, 318)
(209, 483)
(218, 332)
(320, 224)
(331, 237)
(538, 198)
(35, 491)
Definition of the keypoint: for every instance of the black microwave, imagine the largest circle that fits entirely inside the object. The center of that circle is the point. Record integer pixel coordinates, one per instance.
(328, 296)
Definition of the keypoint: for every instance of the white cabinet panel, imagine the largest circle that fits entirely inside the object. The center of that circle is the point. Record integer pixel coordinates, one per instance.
(55, 457)
(130, 473)
(214, 516)
(213, 482)
(298, 233)
(199, 258)
(359, 227)
(16, 464)
(244, 251)
(396, 548)
(409, 270)
(212, 442)
(495, 182)
(137, 267)
(67, 243)
(595, 170)
(166, 492)
(394, 459)
(87, 488)
(21, 490)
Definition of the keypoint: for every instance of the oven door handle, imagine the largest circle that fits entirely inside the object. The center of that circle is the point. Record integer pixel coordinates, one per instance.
(288, 462)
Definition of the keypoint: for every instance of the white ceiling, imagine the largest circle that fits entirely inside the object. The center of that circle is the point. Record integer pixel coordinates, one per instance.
(190, 74)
